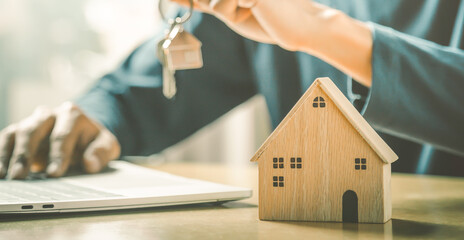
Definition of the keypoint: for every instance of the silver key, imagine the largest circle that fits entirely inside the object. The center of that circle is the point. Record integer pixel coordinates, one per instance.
(169, 81)
(179, 50)
(168, 75)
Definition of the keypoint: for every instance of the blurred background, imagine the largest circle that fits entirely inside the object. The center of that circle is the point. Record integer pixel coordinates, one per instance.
(53, 50)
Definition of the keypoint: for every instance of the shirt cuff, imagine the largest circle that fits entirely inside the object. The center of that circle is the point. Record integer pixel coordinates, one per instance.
(379, 107)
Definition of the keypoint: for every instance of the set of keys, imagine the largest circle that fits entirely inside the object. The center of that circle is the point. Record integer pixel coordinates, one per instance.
(178, 50)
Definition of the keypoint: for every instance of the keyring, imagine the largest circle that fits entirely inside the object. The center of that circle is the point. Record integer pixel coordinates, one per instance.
(178, 20)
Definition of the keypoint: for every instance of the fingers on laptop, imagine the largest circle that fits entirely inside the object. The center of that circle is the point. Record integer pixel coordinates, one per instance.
(63, 139)
(52, 141)
(30, 143)
(100, 151)
(7, 139)
(76, 139)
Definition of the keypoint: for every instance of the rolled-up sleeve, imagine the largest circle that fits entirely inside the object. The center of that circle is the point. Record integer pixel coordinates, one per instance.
(130, 102)
(417, 90)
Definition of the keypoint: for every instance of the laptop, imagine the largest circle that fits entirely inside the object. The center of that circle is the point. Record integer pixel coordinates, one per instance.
(121, 186)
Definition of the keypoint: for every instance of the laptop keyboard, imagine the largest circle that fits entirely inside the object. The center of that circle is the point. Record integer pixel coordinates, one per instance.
(45, 190)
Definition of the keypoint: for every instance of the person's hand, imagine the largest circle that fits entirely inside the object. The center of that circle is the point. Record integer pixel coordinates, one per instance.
(299, 25)
(52, 141)
(292, 24)
(235, 13)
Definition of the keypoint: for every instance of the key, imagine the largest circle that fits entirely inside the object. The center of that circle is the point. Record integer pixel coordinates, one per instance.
(169, 81)
(179, 50)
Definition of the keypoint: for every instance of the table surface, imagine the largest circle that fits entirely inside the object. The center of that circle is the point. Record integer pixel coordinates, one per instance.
(424, 207)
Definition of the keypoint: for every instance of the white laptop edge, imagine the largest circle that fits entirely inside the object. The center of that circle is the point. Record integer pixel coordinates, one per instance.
(228, 193)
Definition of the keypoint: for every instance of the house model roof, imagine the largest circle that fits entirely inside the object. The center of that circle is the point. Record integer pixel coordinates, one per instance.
(352, 115)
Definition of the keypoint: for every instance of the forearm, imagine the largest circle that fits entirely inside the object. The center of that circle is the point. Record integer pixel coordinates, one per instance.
(323, 32)
(346, 44)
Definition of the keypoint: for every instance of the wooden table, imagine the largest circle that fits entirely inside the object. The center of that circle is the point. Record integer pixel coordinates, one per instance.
(424, 207)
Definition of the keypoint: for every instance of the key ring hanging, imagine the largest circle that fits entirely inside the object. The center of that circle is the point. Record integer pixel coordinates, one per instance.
(177, 20)
(178, 50)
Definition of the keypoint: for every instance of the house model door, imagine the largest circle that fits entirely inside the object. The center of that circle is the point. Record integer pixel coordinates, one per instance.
(350, 206)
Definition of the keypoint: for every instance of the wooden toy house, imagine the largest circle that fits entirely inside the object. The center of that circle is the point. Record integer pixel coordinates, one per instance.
(183, 52)
(324, 162)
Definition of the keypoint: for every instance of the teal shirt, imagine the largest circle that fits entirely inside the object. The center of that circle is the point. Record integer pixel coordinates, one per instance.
(416, 96)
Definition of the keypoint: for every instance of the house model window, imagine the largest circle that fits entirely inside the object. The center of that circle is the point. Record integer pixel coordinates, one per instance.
(360, 164)
(297, 164)
(278, 181)
(278, 162)
(319, 102)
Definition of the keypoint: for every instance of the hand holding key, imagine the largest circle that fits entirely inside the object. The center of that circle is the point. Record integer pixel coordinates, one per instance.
(291, 24)
(52, 141)
(300, 25)
(237, 14)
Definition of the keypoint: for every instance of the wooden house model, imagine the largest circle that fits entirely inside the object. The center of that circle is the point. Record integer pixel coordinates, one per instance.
(324, 162)
(183, 52)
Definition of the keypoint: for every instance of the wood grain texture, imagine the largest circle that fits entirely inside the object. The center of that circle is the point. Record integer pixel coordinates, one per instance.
(387, 202)
(358, 122)
(328, 145)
